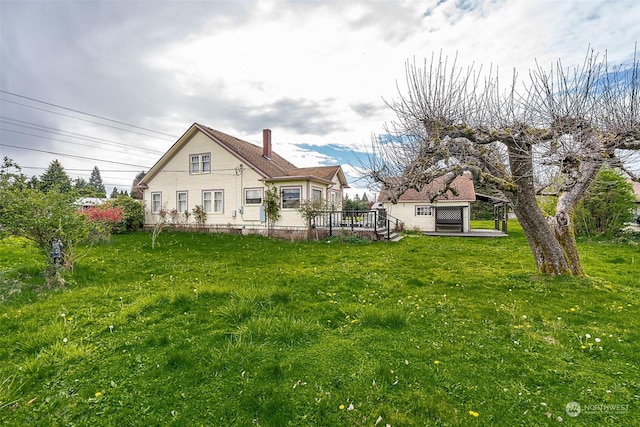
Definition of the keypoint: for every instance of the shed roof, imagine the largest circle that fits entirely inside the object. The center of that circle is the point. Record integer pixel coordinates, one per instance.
(462, 184)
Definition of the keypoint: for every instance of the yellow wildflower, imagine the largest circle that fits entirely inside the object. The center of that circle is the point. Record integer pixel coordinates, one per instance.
(98, 394)
(473, 413)
(341, 407)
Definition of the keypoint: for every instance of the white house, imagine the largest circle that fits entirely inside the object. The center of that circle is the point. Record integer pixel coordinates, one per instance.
(430, 211)
(228, 178)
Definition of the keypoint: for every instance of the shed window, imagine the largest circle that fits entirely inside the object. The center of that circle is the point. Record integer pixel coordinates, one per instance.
(423, 210)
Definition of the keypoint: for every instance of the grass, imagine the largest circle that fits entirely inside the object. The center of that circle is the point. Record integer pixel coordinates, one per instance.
(211, 329)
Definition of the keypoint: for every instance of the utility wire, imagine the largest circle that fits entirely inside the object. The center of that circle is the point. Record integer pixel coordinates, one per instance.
(43, 128)
(62, 140)
(86, 114)
(89, 121)
(73, 156)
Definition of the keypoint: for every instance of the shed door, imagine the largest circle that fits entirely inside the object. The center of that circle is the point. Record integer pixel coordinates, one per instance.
(449, 219)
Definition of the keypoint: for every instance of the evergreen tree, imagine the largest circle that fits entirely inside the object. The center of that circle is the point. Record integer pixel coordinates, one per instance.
(55, 177)
(82, 187)
(137, 193)
(95, 182)
(114, 193)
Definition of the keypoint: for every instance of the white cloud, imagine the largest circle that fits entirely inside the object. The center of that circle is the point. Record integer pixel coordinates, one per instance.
(314, 72)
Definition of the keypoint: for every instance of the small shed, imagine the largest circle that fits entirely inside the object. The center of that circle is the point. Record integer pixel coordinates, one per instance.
(430, 211)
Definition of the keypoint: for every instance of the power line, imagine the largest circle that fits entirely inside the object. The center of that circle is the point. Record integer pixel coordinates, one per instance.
(85, 113)
(73, 156)
(43, 128)
(88, 121)
(59, 140)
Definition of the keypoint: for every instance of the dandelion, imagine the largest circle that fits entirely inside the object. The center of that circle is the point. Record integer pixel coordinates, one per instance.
(598, 340)
(474, 413)
(437, 362)
(341, 407)
(98, 394)
(64, 340)
(587, 336)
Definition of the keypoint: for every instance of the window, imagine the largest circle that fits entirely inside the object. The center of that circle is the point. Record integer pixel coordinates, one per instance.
(181, 201)
(334, 198)
(195, 164)
(206, 163)
(206, 201)
(316, 194)
(199, 163)
(156, 202)
(212, 201)
(291, 198)
(253, 196)
(217, 201)
(423, 210)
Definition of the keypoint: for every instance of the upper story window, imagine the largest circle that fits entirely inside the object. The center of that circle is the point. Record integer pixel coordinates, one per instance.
(253, 196)
(423, 210)
(316, 193)
(291, 197)
(200, 163)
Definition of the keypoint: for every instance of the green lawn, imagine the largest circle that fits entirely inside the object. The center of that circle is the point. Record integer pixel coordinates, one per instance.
(221, 330)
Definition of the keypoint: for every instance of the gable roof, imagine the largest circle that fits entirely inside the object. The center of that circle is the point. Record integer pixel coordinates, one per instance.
(463, 184)
(274, 168)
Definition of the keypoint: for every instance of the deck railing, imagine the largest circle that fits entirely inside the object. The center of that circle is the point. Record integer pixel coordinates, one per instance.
(377, 220)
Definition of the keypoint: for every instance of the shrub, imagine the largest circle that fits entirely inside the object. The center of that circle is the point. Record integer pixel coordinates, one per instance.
(133, 214)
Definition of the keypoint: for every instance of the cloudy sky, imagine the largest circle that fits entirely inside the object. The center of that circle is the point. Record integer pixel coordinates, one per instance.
(114, 83)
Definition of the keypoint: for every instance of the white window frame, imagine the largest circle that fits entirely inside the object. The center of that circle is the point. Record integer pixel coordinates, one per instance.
(215, 201)
(218, 202)
(207, 201)
(423, 210)
(295, 205)
(182, 205)
(205, 162)
(194, 163)
(246, 198)
(156, 205)
(199, 163)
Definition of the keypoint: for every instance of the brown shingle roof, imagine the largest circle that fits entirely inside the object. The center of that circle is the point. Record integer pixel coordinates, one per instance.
(463, 184)
(252, 154)
(274, 168)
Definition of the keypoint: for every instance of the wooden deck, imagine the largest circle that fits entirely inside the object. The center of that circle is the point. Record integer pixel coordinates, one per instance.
(472, 233)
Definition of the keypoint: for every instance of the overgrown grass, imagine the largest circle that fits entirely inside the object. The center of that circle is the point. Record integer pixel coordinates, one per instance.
(223, 330)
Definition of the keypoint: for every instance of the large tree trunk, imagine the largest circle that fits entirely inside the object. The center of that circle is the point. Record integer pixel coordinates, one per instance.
(552, 243)
(547, 250)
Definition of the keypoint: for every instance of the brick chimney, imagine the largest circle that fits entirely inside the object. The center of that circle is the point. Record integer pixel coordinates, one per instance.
(266, 143)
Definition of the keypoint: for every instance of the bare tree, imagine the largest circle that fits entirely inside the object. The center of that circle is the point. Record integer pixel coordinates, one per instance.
(548, 134)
